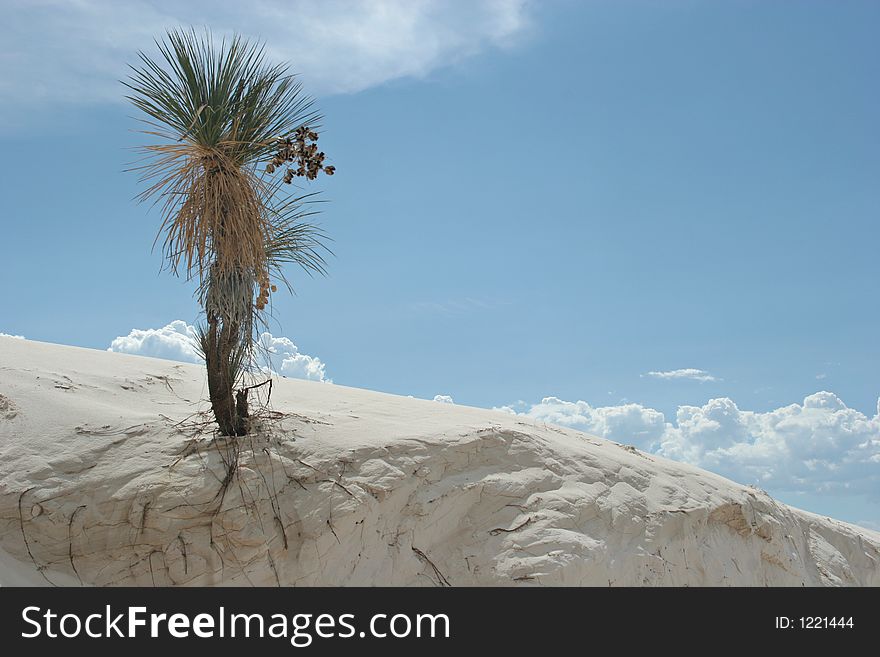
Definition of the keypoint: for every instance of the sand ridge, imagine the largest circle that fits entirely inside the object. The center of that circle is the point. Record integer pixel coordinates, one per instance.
(110, 476)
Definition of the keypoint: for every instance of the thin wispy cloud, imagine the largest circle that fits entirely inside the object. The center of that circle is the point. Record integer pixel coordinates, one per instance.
(686, 373)
(55, 51)
(456, 306)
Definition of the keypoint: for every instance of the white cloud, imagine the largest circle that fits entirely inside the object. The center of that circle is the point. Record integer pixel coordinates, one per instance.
(177, 341)
(443, 399)
(686, 373)
(819, 377)
(7, 335)
(286, 359)
(820, 445)
(626, 423)
(56, 50)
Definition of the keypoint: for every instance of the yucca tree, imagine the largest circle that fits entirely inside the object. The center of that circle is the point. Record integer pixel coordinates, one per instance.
(223, 121)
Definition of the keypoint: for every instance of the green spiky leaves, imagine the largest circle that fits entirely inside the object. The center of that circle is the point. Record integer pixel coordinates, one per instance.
(220, 114)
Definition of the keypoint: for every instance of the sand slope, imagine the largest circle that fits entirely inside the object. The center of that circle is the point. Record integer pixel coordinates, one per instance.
(104, 481)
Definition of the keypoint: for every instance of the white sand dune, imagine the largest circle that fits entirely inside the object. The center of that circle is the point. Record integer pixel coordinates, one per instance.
(104, 481)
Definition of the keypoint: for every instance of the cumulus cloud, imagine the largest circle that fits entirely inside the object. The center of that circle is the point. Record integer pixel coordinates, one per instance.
(58, 51)
(820, 445)
(177, 341)
(686, 373)
(7, 335)
(626, 423)
(286, 359)
(443, 399)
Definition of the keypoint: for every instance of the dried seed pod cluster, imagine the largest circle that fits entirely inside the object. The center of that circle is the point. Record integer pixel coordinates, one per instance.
(306, 161)
(302, 151)
(265, 288)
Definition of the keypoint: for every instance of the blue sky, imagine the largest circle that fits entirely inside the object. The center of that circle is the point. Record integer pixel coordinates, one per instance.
(532, 201)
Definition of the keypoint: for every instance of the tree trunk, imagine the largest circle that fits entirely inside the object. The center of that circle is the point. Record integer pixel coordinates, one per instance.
(230, 409)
